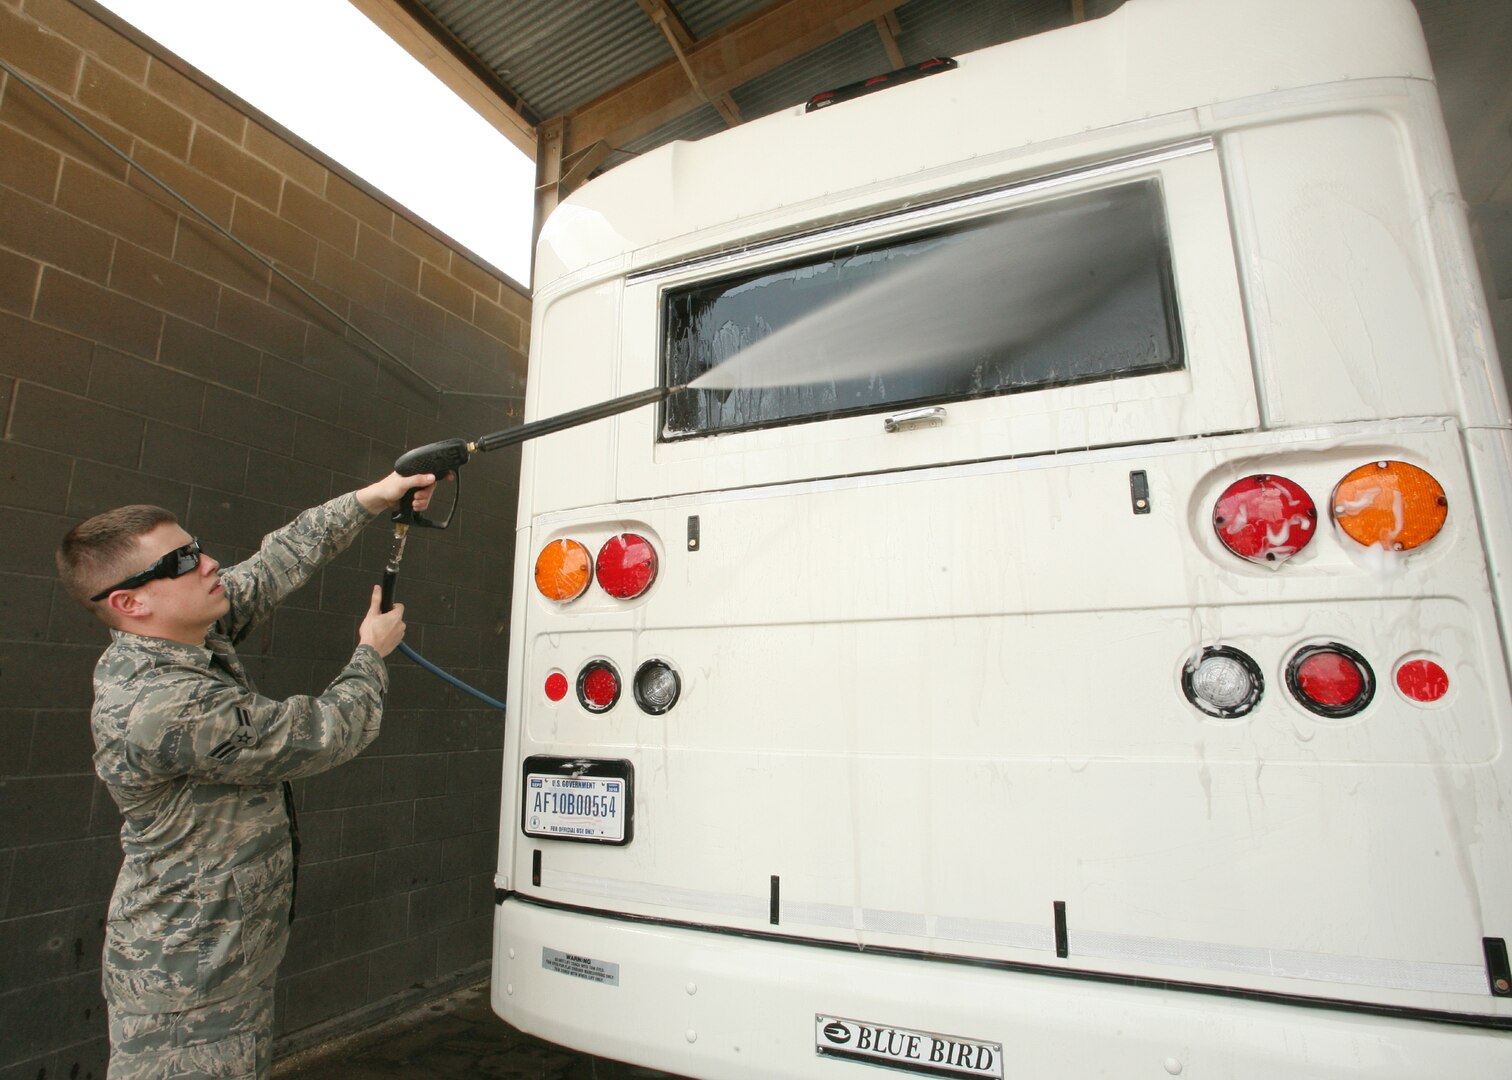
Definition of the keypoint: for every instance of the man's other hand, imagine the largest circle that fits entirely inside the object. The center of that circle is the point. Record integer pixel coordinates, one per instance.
(383, 630)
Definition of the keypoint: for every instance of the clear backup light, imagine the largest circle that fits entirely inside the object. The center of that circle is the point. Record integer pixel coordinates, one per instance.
(626, 565)
(1391, 504)
(598, 686)
(657, 687)
(1331, 680)
(563, 570)
(1223, 682)
(1265, 518)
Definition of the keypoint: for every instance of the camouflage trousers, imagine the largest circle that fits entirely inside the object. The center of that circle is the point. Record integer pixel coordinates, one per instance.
(229, 1040)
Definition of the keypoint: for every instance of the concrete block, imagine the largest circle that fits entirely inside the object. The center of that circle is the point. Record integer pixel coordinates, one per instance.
(15, 745)
(193, 457)
(401, 966)
(377, 827)
(474, 770)
(339, 883)
(164, 284)
(245, 419)
(41, 948)
(436, 818)
(61, 875)
(42, 1017)
(145, 388)
(28, 165)
(313, 943)
(356, 783)
(324, 992)
(39, 809)
(470, 854)
(18, 282)
(296, 388)
(26, 604)
(109, 203)
(464, 944)
(91, 311)
(203, 249)
(98, 487)
(232, 166)
(48, 420)
(436, 906)
(362, 928)
(210, 356)
(414, 776)
(61, 744)
(405, 869)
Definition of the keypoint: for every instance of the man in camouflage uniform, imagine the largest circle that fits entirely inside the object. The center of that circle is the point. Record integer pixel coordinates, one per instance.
(198, 762)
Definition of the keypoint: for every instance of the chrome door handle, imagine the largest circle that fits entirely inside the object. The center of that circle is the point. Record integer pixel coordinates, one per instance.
(933, 416)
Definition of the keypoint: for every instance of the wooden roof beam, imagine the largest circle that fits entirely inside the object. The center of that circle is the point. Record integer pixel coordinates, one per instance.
(888, 30)
(421, 35)
(720, 62)
(681, 39)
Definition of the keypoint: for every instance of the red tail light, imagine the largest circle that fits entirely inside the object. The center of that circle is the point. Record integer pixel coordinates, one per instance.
(1330, 680)
(1265, 518)
(598, 686)
(626, 566)
(556, 686)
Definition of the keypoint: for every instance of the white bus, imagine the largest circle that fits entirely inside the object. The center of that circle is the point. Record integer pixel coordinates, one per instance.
(1064, 630)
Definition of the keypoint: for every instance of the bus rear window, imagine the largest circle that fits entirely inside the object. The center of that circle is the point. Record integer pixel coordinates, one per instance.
(1068, 291)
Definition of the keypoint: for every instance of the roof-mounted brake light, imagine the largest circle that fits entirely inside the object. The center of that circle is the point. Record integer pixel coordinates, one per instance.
(933, 66)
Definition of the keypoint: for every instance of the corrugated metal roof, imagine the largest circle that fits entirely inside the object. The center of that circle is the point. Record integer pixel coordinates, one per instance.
(555, 56)
(559, 56)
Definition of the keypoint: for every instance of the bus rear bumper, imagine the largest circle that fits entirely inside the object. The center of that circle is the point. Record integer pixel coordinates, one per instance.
(704, 1004)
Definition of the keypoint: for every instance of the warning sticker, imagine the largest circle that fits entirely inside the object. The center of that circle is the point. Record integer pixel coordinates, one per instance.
(580, 967)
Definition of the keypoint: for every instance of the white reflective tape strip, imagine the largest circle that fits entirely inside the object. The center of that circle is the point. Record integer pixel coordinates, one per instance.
(1014, 935)
(1165, 952)
(660, 895)
(1281, 963)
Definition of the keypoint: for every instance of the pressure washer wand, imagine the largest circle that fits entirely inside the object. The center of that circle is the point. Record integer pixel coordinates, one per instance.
(449, 455)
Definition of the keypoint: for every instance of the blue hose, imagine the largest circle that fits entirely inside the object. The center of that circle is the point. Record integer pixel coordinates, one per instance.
(447, 676)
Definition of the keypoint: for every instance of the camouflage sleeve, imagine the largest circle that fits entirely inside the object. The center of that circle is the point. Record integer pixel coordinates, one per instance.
(287, 559)
(190, 725)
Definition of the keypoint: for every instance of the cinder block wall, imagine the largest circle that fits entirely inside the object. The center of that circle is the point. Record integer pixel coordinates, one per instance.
(143, 358)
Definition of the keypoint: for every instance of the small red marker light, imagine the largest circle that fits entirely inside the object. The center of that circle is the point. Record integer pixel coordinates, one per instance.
(556, 686)
(1422, 680)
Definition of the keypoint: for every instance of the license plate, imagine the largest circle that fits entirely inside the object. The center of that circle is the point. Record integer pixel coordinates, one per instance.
(926, 1052)
(577, 799)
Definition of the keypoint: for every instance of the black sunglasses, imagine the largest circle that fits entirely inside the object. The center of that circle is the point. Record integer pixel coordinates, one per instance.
(179, 561)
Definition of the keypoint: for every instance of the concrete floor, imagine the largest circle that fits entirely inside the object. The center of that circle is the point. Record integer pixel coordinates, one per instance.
(454, 1037)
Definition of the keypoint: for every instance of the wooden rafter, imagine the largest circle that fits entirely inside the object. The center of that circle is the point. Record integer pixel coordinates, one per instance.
(888, 30)
(421, 35)
(681, 39)
(714, 66)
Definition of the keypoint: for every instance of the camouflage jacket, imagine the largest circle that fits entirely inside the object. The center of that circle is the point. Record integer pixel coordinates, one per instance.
(195, 758)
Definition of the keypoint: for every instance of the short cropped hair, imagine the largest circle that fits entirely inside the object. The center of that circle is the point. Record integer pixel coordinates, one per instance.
(96, 551)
